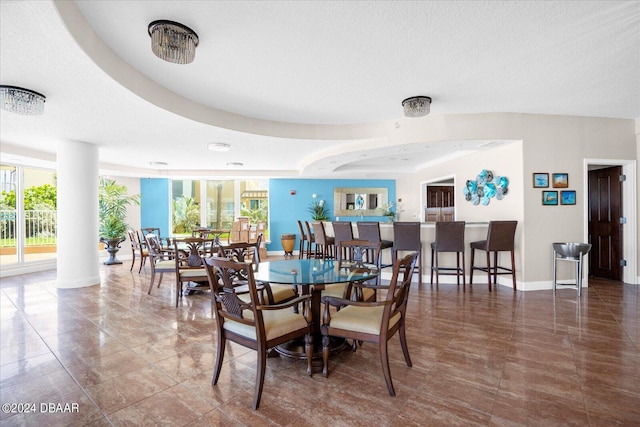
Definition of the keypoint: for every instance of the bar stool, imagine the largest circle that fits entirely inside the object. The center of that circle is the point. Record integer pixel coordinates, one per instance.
(304, 241)
(324, 243)
(370, 231)
(572, 252)
(311, 240)
(342, 232)
(500, 238)
(449, 238)
(406, 237)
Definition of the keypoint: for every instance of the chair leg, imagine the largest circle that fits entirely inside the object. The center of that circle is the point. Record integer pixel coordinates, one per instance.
(403, 344)
(464, 270)
(384, 358)
(495, 268)
(153, 275)
(325, 356)
(432, 266)
(473, 253)
(489, 269)
(458, 268)
(420, 268)
(133, 260)
(437, 271)
(222, 343)
(308, 348)
(513, 269)
(262, 366)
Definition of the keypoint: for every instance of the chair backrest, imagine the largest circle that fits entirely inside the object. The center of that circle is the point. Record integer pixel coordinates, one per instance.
(318, 231)
(151, 230)
(399, 287)
(241, 252)
(450, 236)
(222, 273)
(154, 246)
(501, 235)
(406, 236)
(189, 251)
(359, 251)
(134, 238)
(303, 235)
(202, 232)
(342, 231)
(369, 230)
(310, 235)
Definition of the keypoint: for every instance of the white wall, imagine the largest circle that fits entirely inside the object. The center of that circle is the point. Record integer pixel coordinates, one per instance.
(549, 144)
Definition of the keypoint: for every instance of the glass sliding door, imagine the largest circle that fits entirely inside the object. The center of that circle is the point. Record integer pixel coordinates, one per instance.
(28, 214)
(220, 204)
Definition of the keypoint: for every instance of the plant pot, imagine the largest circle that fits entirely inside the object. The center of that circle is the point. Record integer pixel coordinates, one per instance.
(113, 246)
(288, 243)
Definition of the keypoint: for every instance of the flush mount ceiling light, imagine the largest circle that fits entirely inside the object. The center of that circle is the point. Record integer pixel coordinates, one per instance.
(173, 41)
(21, 101)
(235, 164)
(158, 164)
(219, 146)
(417, 106)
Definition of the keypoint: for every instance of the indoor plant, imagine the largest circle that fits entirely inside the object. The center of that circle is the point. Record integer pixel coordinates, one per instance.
(112, 212)
(319, 211)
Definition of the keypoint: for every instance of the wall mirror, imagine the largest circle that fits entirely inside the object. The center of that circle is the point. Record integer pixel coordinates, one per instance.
(359, 201)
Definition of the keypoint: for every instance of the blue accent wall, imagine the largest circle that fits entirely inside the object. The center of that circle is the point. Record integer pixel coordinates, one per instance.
(155, 197)
(286, 209)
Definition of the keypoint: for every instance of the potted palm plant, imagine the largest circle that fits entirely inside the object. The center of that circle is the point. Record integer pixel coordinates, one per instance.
(113, 200)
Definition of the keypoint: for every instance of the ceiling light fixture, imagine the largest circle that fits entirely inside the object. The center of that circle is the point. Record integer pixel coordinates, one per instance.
(417, 106)
(219, 146)
(158, 164)
(173, 41)
(235, 164)
(21, 101)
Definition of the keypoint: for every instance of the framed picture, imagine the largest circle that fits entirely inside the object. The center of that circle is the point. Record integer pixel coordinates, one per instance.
(550, 198)
(568, 197)
(560, 180)
(540, 180)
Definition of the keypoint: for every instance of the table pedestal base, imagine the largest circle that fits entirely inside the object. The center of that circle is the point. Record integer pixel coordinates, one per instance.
(294, 349)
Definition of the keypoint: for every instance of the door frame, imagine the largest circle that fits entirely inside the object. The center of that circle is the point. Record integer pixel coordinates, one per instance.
(629, 241)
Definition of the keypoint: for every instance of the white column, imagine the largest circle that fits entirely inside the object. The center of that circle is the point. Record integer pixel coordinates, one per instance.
(78, 261)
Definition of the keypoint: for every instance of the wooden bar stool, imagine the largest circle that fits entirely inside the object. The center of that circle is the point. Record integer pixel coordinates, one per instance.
(449, 238)
(500, 238)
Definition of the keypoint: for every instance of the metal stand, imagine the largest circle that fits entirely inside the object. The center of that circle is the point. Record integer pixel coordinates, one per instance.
(571, 252)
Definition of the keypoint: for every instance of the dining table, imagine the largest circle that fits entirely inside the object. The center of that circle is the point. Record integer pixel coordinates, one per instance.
(312, 275)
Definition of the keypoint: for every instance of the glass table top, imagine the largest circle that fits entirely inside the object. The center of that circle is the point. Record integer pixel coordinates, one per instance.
(313, 272)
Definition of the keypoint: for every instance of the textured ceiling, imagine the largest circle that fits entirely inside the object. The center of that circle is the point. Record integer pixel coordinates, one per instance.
(296, 65)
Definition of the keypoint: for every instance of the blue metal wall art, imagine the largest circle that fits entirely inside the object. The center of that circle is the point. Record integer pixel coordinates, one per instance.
(485, 187)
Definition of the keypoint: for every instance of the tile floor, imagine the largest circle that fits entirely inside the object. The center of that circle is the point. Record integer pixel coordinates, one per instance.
(118, 356)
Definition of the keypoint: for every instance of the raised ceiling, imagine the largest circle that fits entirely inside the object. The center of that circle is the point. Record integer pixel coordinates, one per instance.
(305, 88)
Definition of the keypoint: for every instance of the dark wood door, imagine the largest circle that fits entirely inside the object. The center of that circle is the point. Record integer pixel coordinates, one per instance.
(440, 196)
(605, 231)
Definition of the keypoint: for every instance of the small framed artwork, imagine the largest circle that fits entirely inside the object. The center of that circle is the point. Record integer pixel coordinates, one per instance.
(540, 180)
(549, 198)
(560, 180)
(568, 197)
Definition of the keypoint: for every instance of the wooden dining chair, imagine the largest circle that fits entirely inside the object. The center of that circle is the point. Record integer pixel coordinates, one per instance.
(189, 252)
(249, 253)
(355, 252)
(375, 322)
(137, 248)
(161, 260)
(252, 324)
